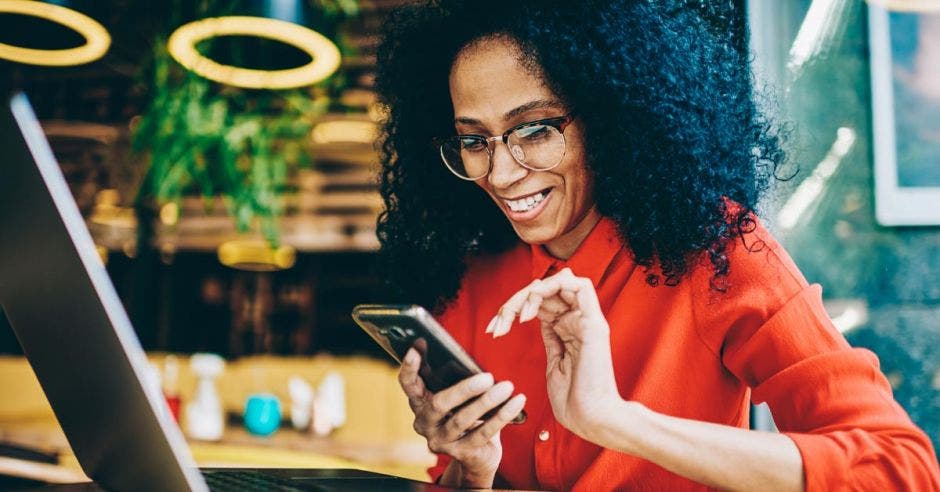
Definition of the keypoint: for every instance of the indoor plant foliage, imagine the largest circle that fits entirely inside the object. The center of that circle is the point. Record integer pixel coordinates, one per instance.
(217, 140)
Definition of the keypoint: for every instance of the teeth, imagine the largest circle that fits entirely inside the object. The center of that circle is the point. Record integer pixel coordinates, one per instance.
(527, 203)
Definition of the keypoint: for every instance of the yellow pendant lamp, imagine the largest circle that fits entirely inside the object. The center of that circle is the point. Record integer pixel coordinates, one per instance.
(256, 255)
(97, 39)
(325, 56)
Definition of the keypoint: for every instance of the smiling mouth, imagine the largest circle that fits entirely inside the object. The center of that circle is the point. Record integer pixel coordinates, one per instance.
(527, 203)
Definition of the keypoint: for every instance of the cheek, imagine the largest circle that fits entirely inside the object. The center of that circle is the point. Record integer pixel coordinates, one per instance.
(576, 175)
(585, 184)
(578, 182)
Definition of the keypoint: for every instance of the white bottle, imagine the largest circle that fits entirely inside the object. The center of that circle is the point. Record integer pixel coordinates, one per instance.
(329, 404)
(204, 415)
(301, 402)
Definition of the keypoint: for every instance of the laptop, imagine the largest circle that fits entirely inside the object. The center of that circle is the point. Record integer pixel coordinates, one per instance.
(80, 343)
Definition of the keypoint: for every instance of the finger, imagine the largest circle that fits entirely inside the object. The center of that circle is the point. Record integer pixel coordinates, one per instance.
(444, 401)
(530, 308)
(584, 289)
(548, 287)
(579, 292)
(485, 432)
(569, 297)
(543, 302)
(552, 307)
(409, 379)
(491, 325)
(510, 309)
(588, 302)
(468, 417)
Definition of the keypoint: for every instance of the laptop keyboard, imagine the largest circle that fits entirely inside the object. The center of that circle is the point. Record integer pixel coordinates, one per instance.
(245, 480)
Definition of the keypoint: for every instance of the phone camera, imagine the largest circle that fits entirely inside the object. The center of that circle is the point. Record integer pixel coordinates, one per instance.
(396, 332)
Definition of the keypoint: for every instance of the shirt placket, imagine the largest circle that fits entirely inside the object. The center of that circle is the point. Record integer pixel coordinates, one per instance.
(553, 268)
(546, 466)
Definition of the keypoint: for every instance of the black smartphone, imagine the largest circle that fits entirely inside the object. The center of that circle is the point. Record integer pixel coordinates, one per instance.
(397, 328)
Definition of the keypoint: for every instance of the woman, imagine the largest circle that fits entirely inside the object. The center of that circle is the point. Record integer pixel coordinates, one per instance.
(584, 226)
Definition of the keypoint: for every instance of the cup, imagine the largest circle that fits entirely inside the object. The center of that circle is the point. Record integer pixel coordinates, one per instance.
(262, 414)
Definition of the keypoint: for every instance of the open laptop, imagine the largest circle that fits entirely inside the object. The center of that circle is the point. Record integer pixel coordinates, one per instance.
(76, 334)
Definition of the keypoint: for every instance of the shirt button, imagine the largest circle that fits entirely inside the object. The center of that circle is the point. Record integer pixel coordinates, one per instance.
(544, 435)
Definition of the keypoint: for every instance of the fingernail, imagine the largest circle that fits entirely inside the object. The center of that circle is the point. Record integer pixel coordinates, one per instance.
(489, 327)
(503, 327)
(497, 328)
(482, 382)
(517, 402)
(410, 356)
(501, 391)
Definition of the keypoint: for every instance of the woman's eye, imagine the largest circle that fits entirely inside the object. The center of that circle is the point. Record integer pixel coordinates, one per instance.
(472, 144)
(534, 133)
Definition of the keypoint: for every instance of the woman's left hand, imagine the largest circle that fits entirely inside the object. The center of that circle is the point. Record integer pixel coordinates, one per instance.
(580, 376)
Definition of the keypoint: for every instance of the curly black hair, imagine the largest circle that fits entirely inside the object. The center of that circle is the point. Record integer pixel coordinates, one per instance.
(679, 153)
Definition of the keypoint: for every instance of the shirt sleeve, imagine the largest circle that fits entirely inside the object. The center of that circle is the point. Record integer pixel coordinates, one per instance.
(831, 399)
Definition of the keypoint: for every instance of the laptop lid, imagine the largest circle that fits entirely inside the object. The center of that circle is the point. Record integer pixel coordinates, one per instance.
(72, 327)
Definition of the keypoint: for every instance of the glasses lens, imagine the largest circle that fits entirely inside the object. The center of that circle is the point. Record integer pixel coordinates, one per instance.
(537, 146)
(466, 156)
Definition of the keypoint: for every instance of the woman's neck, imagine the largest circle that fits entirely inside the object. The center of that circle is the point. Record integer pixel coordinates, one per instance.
(565, 245)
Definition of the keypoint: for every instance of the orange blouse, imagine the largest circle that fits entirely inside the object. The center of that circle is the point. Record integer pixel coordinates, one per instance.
(690, 351)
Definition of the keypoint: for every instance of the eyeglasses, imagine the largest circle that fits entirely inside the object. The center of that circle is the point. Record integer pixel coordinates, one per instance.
(537, 145)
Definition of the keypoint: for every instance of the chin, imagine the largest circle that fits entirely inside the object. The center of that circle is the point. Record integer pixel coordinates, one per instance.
(536, 236)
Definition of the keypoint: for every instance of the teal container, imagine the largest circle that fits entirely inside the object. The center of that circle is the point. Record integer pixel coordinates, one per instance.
(262, 414)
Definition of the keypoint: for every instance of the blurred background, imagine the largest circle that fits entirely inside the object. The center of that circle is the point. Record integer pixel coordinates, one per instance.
(168, 166)
(227, 172)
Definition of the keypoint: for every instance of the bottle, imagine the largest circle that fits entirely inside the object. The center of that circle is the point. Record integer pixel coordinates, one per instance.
(329, 404)
(171, 392)
(204, 415)
(301, 402)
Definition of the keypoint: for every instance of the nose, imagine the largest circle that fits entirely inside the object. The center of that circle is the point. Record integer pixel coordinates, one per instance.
(505, 170)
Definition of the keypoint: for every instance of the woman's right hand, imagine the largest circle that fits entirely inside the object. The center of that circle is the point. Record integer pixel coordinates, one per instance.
(461, 434)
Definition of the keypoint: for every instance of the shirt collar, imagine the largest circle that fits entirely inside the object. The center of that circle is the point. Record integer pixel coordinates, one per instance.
(590, 260)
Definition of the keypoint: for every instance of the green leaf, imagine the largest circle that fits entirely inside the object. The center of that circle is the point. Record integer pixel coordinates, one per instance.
(198, 135)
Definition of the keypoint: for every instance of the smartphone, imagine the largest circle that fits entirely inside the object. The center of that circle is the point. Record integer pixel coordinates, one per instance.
(397, 328)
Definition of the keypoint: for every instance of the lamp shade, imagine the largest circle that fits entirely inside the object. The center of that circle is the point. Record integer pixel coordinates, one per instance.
(260, 44)
(256, 255)
(95, 39)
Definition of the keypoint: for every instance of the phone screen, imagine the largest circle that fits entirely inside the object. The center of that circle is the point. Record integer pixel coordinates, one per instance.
(398, 328)
(440, 367)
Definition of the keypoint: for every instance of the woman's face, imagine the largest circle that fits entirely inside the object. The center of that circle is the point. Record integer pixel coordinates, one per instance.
(492, 92)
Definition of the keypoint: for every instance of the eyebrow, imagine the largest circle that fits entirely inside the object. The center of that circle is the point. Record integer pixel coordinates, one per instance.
(512, 113)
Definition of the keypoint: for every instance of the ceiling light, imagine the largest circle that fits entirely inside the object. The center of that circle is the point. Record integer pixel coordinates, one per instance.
(97, 39)
(256, 255)
(325, 55)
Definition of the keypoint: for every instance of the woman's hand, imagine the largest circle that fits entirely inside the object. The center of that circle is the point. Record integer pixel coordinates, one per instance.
(580, 375)
(459, 432)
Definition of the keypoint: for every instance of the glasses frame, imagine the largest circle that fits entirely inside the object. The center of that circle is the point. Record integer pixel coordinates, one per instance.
(559, 123)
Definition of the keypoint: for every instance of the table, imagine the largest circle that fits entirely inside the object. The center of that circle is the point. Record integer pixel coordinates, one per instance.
(286, 448)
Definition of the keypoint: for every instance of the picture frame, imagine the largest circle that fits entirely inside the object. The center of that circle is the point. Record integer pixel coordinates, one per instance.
(905, 87)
